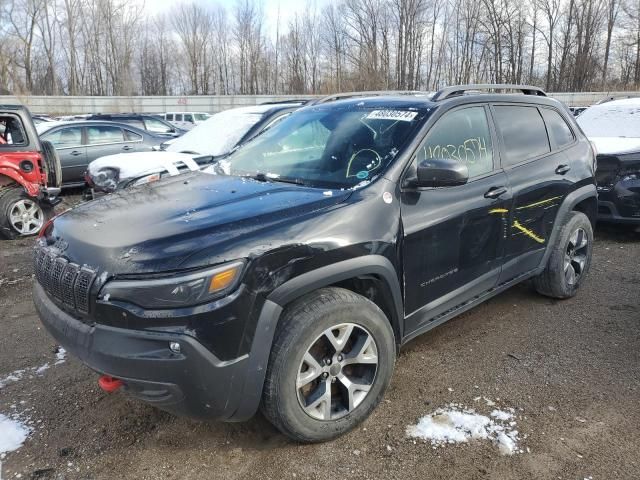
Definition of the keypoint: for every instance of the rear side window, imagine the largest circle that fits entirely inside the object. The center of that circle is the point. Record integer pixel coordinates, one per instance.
(103, 134)
(559, 132)
(523, 133)
(178, 117)
(130, 136)
(169, 116)
(461, 135)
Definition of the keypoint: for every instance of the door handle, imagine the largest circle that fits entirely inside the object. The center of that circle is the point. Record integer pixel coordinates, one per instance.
(495, 192)
(75, 153)
(562, 169)
(127, 147)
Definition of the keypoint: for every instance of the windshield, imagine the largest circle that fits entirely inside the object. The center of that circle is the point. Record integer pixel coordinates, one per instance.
(611, 121)
(220, 133)
(327, 147)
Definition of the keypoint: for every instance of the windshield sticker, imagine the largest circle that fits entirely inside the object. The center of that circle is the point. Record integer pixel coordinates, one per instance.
(361, 175)
(394, 115)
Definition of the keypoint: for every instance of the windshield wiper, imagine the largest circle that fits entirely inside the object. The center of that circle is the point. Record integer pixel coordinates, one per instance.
(265, 177)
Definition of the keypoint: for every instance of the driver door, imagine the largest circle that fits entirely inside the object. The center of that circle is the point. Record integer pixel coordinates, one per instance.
(454, 237)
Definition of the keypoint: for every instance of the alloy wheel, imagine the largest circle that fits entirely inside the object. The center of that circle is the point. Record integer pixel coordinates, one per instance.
(26, 217)
(337, 371)
(575, 257)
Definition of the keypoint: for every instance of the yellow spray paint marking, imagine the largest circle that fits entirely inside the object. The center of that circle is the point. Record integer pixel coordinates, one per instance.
(499, 210)
(537, 204)
(527, 232)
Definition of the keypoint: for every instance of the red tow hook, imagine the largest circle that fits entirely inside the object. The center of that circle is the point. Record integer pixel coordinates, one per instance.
(109, 384)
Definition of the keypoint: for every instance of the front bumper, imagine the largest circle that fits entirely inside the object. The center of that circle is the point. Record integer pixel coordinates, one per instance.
(193, 382)
(621, 204)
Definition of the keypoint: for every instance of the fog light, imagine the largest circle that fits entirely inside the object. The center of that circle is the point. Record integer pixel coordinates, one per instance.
(174, 347)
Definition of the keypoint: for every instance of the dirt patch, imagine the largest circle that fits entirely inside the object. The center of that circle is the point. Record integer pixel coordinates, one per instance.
(570, 370)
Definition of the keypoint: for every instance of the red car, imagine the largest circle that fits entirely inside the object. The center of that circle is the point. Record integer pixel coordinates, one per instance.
(29, 175)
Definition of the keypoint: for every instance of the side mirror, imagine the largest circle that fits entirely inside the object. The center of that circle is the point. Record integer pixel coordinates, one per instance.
(441, 172)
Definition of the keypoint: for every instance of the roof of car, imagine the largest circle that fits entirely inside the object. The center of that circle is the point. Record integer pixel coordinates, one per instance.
(620, 102)
(43, 127)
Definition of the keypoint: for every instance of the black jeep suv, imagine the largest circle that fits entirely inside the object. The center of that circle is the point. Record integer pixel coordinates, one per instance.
(288, 277)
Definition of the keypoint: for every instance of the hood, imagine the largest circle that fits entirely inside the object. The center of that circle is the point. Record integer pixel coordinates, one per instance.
(192, 220)
(137, 164)
(616, 145)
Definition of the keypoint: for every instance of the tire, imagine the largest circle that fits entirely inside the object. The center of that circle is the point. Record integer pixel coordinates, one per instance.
(570, 259)
(52, 164)
(302, 332)
(12, 201)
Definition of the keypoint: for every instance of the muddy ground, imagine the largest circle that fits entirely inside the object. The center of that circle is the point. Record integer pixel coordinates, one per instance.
(571, 370)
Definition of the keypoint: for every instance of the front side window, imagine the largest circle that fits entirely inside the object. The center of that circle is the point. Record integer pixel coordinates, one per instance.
(462, 135)
(155, 125)
(188, 117)
(334, 147)
(104, 134)
(65, 137)
(523, 133)
(130, 136)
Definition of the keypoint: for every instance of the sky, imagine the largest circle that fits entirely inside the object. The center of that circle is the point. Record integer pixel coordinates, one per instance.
(285, 8)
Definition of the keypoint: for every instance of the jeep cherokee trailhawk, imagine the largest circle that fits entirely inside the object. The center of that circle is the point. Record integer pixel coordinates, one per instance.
(288, 277)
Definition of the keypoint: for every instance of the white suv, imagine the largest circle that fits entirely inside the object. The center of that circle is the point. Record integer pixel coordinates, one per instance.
(186, 120)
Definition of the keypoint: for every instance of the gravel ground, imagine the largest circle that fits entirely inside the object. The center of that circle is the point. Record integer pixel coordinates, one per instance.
(571, 369)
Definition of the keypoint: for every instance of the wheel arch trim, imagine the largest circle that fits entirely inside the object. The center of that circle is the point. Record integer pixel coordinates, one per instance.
(568, 204)
(295, 288)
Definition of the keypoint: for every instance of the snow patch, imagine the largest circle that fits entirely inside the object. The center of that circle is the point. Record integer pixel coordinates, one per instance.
(18, 375)
(457, 424)
(12, 434)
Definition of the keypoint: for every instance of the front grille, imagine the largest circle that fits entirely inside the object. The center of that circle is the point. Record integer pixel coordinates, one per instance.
(66, 281)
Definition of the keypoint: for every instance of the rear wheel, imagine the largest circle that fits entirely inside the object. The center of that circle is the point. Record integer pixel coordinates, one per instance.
(570, 259)
(330, 364)
(20, 214)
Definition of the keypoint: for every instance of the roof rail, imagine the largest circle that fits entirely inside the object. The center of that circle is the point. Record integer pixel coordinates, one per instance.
(457, 90)
(374, 93)
(302, 101)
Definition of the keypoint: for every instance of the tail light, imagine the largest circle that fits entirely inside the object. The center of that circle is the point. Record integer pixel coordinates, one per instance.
(595, 155)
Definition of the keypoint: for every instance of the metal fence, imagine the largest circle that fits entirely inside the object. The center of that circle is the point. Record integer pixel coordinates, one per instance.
(65, 105)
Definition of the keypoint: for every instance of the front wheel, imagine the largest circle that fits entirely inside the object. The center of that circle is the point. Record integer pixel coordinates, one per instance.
(20, 214)
(569, 260)
(330, 364)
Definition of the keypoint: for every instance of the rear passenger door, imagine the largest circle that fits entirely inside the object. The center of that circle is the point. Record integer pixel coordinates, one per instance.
(536, 166)
(454, 236)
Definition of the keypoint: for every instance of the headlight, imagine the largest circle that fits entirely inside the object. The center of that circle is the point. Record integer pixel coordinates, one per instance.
(154, 177)
(106, 179)
(176, 291)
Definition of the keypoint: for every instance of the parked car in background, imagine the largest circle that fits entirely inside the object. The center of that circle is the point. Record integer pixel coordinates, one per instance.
(37, 119)
(29, 175)
(576, 111)
(289, 280)
(154, 124)
(204, 144)
(186, 120)
(614, 129)
(78, 143)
